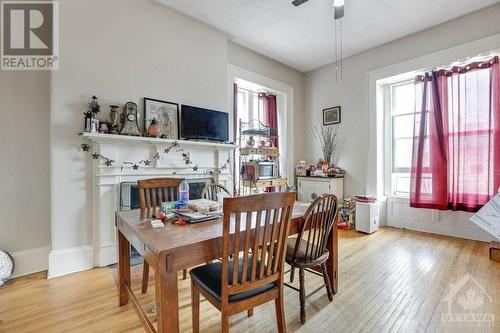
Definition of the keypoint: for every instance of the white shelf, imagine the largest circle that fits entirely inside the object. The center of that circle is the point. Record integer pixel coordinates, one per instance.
(125, 139)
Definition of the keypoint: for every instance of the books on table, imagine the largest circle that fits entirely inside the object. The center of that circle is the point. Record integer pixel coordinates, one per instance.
(200, 210)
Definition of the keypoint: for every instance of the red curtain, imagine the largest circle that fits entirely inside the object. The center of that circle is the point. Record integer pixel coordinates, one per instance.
(269, 116)
(456, 141)
(267, 102)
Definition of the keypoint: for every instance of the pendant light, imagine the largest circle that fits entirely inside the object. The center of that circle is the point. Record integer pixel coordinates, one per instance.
(338, 14)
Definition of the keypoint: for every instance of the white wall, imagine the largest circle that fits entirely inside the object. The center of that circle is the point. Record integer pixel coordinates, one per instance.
(352, 93)
(24, 168)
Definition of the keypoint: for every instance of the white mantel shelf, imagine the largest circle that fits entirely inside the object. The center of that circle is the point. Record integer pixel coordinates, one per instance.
(126, 139)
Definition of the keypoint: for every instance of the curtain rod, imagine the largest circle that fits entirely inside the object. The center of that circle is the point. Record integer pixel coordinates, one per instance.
(256, 92)
(462, 62)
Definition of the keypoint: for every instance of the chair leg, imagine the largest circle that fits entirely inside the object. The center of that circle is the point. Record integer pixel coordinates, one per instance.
(292, 274)
(302, 296)
(250, 312)
(145, 277)
(224, 323)
(184, 274)
(327, 282)
(195, 306)
(280, 313)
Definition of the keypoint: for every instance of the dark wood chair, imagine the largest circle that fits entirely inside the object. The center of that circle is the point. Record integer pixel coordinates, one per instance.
(212, 191)
(255, 231)
(308, 250)
(152, 192)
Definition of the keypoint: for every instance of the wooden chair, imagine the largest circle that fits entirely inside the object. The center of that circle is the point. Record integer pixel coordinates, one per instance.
(151, 194)
(255, 276)
(308, 250)
(212, 191)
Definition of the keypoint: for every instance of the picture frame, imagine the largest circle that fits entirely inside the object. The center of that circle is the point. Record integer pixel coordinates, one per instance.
(332, 115)
(165, 113)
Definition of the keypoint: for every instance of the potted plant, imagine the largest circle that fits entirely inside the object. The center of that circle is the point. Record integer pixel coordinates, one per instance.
(328, 138)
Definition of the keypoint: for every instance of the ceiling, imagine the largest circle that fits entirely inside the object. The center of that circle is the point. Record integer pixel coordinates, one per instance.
(302, 37)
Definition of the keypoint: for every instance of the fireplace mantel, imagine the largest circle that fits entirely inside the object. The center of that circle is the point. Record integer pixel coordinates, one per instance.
(126, 139)
(209, 157)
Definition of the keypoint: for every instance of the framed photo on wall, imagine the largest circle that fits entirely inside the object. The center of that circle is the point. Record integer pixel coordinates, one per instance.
(165, 113)
(331, 116)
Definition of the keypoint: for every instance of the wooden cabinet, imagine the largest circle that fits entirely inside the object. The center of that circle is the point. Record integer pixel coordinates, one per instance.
(309, 188)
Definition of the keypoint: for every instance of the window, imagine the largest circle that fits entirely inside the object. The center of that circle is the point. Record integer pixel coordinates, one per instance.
(399, 111)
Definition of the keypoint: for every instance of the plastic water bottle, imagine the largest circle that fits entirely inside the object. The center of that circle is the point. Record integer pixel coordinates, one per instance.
(184, 192)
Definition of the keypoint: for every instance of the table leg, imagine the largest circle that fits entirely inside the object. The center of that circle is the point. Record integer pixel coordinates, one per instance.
(167, 302)
(123, 268)
(333, 261)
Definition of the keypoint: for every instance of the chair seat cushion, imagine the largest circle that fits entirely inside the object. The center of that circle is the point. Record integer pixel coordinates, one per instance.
(208, 277)
(300, 256)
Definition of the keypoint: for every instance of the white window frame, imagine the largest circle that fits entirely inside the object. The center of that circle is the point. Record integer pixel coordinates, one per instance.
(389, 168)
(375, 177)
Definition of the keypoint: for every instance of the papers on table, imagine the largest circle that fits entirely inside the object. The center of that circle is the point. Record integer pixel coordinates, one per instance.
(200, 210)
(488, 217)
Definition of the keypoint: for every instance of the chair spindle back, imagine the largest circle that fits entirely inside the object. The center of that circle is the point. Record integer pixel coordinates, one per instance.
(319, 219)
(212, 191)
(260, 224)
(153, 191)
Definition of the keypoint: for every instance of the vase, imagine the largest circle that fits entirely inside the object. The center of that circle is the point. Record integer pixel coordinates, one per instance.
(154, 129)
(251, 142)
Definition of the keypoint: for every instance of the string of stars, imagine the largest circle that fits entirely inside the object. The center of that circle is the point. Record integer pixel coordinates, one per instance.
(135, 165)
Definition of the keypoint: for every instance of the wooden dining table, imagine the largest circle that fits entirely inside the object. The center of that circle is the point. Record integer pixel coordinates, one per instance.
(176, 247)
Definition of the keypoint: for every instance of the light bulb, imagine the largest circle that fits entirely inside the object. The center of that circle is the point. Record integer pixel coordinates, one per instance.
(338, 3)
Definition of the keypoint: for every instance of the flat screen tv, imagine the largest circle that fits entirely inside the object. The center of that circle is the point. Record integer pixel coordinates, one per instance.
(204, 124)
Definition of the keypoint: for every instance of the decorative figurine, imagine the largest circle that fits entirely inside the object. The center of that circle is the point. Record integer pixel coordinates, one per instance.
(94, 106)
(103, 127)
(88, 121)
(113, 115)
(94, 125)
(250, 142)
(154, 128)
(130, 124)
(114, 123)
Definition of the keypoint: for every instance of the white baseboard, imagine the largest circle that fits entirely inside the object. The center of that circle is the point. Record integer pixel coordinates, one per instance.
(30, 261)
(448, 223)
(106, 255)
(66, 261)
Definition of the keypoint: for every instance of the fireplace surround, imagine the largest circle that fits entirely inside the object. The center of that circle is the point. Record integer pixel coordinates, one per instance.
(129, 192)
(110, 182)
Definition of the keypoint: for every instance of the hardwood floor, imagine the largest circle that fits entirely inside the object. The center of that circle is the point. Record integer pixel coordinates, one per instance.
(390, 281)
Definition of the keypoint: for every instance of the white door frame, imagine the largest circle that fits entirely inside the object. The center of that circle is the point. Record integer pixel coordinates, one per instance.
(282, 90)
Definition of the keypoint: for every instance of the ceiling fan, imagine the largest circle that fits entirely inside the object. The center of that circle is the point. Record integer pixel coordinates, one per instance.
(338, 6)
(338, 14)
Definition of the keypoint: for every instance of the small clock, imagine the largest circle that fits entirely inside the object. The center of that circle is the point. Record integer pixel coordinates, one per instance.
(129, 120)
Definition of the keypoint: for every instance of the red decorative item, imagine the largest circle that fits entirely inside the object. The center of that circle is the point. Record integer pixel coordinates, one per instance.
(345, 225)
(154, 128)
(181, 222)
(161, 216)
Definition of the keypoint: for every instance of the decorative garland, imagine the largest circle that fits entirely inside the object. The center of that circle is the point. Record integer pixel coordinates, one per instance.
(135, 165)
